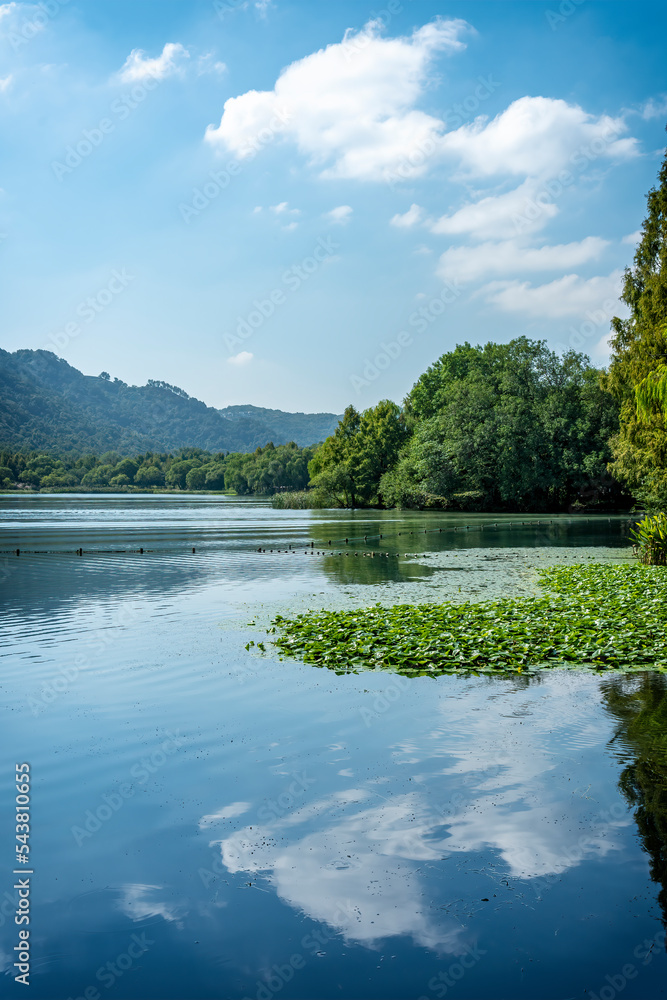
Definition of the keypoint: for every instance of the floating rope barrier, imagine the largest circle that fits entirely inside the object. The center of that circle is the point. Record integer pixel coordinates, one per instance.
(309, 548)
(294, 546)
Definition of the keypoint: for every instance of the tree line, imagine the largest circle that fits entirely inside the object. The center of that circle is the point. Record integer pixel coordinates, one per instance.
(262, 472)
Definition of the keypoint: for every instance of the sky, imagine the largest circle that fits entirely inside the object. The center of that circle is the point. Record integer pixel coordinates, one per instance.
(302, 205)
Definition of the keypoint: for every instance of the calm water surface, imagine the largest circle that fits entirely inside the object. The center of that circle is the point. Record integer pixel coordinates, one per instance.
(208, 822)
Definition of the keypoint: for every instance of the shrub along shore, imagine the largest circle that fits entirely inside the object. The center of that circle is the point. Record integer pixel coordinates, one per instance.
(595, 616)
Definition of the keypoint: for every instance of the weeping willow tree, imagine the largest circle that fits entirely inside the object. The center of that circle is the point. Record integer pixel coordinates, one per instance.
(637, 374)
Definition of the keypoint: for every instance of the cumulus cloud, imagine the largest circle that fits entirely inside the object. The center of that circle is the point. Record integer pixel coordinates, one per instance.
(547, 141)
(242, 358)
(351, 106)
(138, 66)
(535, 136)
(466, 264)
(632, 238)
(408, 219)
(568, 296)
(339, 215)
(496, 216)
(5, 82)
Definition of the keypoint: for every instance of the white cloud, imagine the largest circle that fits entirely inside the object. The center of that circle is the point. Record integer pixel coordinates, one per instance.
(7, 9)
(242, 358)
(339, 215)
(547, 141)
(257, 209)
(500, 216)
(209, 64)
(283, 208)
(632, 238)
(473, 263)
(535, 136)
(5, 83)
(654, 107)
(351, 106)
(408, 219)
(570, 295)
(138, 67)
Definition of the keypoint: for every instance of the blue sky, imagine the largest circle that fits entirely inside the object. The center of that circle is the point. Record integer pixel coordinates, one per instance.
(302, 205)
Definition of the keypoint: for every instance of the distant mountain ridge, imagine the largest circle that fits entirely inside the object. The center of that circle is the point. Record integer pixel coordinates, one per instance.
(48, 405)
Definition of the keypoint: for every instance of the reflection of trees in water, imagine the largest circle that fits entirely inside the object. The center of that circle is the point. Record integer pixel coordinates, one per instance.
(640, 705)
(349, 569)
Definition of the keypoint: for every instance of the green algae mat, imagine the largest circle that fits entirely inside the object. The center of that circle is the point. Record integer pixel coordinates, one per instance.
(595, 616)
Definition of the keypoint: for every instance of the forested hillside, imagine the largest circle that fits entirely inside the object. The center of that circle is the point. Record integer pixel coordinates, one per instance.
(47, 405)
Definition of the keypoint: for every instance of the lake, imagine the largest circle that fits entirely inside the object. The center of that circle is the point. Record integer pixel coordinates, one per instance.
(210, 821)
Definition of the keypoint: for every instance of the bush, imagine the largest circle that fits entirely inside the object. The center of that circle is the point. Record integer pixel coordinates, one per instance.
(297, 500)
(650, 540)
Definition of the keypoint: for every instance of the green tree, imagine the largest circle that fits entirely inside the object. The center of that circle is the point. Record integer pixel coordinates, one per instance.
(178, 472)
(504, 426)
(149, 475)
(196, 479)
(639, 348)
(352, 461)
(100, 475)
(215, 476)
(127, 467)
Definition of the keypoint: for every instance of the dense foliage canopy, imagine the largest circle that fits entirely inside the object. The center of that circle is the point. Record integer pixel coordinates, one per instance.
(263, 472)
(505, 426)
(349, 466)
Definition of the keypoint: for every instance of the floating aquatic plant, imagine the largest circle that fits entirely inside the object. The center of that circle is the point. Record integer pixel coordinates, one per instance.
(594, 616)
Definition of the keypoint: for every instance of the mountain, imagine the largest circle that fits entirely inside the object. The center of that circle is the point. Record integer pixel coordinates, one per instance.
(304, 428)
(46, 404)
